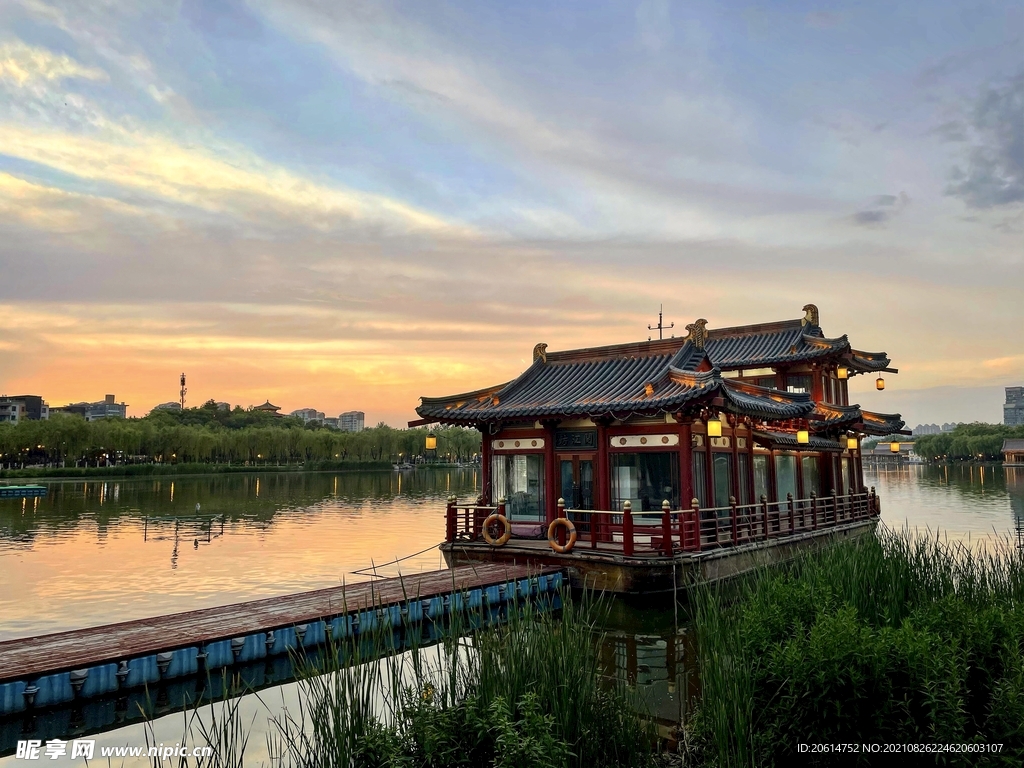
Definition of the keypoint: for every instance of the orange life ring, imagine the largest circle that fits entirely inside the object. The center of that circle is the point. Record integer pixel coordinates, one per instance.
(501, 540)
(554, 542)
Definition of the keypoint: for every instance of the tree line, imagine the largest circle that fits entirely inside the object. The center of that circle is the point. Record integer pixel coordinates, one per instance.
(968, 442)
(227, 438)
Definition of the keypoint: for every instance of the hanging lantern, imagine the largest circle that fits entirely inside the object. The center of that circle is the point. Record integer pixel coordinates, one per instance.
(879, 383)
(894, 447)
(431, 443)
(714, 427)
(842, 372)
(803, 436)
(851, 443)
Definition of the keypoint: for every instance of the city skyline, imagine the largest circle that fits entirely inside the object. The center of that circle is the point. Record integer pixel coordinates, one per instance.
(324, 205)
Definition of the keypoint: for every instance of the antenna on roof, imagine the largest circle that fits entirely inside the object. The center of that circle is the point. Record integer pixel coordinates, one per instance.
(660, 327)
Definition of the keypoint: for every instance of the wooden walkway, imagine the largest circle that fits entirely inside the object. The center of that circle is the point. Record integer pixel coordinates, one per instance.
(31, 656)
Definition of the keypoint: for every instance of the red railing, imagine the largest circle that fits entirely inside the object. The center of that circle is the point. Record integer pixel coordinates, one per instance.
(695, 529)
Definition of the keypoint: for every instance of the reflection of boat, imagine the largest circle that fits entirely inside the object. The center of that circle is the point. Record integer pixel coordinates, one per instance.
(404, 466)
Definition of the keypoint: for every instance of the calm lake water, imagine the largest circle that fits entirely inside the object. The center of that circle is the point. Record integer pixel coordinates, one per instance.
(97, 552)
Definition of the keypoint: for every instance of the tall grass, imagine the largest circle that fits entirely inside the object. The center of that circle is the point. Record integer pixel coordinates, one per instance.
(525, 692)
(895, 638)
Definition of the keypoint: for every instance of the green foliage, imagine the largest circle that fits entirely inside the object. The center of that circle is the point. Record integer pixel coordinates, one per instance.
(209, 436)
(967, 442)
(526, 694)
(897, 639)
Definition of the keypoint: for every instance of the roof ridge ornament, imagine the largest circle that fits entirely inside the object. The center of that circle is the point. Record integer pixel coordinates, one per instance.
(811, 318)
(540, 352)
(698, 333)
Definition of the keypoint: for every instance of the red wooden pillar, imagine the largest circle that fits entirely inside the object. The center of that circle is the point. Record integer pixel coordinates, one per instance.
(450, 522)
(817, 384)
(666, 527)
(627, 528)
(685, 463)
(604, 482)
(551, 489)
(485, 465)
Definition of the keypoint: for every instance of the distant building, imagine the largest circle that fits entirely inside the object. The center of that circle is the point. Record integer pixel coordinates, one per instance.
(222, 406)
(1013, 410)
(926, 429)
(106, 409)
(351, 421)
(333, 423)
(1013, 453)
(78, 409)
(174, 405)
(268, 407)
(23, 408)
(309, 415)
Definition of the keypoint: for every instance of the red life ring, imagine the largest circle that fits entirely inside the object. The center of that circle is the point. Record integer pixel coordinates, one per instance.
(506, 527)
(562, 550)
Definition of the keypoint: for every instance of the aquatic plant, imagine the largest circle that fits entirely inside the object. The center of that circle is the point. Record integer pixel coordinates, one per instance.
(897, 638)
(518, 688)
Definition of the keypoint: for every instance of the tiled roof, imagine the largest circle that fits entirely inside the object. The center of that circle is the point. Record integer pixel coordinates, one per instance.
(881, 423)
(1010, 444)
(788, 440)
(755, 346)
(833, 415)
(610, 386)
(652, 377)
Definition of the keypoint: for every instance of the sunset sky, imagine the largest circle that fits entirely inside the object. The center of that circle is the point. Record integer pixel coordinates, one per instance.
(347, 205)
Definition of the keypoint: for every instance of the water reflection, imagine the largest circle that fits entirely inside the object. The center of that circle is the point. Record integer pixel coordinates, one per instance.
(96, 552)
(966, 502)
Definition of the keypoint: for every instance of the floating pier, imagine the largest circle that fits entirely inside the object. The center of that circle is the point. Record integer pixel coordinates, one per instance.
(53, 670)
(21, 491)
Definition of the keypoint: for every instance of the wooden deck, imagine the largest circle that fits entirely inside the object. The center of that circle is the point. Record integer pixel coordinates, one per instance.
(31, 656)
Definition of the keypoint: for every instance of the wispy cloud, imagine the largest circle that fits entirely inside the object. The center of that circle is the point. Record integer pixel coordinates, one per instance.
(23, 64)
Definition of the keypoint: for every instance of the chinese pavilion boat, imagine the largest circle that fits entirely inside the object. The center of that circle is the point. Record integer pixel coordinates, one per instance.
(636, 465)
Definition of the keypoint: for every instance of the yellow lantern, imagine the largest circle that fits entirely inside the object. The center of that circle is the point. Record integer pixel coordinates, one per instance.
(431, 443)
(894, 447)
(879, 383)
(851, 443)
(803, 436)
(842, 372)
(714, 427)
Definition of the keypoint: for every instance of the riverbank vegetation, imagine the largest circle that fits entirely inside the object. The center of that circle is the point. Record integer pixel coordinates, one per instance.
(968, 442)
(212, 437)
(526, 693)
(899, 639)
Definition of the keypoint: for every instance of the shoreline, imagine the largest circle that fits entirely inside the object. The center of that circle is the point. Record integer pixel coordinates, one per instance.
(145, 471)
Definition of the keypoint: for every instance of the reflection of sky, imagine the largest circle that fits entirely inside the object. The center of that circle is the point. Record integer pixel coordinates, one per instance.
(965, 502)
(79, 559)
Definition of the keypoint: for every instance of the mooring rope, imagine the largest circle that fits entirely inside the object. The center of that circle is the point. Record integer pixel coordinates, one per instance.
(373, 566)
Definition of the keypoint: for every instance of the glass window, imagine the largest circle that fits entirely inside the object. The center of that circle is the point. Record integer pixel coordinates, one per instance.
(568, 491)
(586, 486)
(760, 476)
(798, 383)
(645, 480)
(743, 477)
(700, 492)
(766, 381)
(520, 481)
(721, 468)
(785, 475)
(812, 484)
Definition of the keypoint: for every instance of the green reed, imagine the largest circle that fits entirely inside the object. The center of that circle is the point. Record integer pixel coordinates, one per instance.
(518, 690)
(895, 638)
